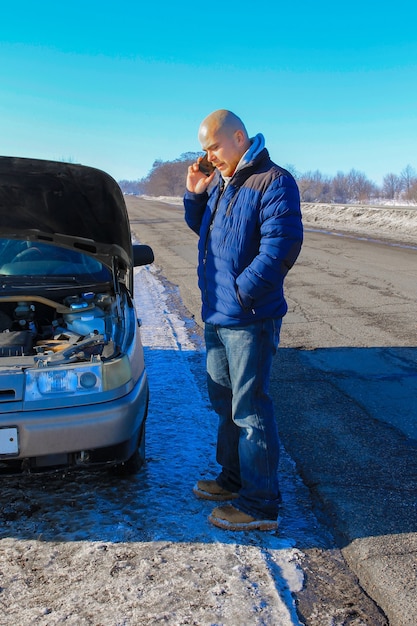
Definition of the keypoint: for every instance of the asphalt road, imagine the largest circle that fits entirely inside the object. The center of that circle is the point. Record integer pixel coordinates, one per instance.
(345, 389)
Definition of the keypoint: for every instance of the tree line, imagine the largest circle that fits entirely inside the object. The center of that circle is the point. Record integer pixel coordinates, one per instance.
(167, 178)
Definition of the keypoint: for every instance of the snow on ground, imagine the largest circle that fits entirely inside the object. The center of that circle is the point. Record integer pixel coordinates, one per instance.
(86, 548)
(398, 224)
(395, 223)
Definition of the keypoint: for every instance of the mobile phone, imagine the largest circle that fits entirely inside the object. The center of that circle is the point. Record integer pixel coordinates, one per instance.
(205, 166)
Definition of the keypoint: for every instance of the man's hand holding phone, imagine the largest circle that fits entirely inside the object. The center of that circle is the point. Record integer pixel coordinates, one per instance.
(200, 175)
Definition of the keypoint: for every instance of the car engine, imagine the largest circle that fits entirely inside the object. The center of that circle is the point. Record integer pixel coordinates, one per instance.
(40, 328)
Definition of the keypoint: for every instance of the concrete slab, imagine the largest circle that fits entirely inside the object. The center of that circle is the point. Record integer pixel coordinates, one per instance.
(387, 567)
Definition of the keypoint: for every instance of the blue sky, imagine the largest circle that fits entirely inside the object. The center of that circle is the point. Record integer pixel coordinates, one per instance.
(118, 85)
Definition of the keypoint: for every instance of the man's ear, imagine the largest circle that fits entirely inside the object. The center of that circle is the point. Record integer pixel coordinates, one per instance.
(240, 138)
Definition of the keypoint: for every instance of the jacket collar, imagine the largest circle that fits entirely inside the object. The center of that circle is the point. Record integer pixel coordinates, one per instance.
(255, 149)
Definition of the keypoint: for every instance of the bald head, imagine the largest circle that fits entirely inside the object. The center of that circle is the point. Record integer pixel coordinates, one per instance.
(221, 122)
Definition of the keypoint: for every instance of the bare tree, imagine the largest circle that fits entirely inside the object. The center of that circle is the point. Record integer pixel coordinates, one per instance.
(351, 187)
(391, 186)
(360, 187)
(131, 186)
(314, 187)
(411, 194)
(408, 177)
(167, 178)
(292, 170)
(340, 188)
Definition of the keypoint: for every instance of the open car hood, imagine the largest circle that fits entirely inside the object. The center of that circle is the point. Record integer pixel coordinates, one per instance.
(74, 206)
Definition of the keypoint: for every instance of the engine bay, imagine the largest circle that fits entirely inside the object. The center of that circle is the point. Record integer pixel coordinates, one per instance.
(37, 329)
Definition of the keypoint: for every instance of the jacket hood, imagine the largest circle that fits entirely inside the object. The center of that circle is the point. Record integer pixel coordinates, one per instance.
(256, 147)
(71, 205)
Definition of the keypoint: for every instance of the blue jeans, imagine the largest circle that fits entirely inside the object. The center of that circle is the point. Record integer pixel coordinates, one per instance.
(239, 363)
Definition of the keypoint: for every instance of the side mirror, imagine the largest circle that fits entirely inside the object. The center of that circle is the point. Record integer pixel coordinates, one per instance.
(142, 255)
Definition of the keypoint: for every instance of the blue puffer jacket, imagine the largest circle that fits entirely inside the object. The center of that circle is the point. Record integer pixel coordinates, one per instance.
(250, 236)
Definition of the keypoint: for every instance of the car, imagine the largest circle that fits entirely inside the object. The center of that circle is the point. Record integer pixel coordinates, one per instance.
(73, 382)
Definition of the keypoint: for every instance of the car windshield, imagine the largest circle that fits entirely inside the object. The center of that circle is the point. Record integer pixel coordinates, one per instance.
(27, 258)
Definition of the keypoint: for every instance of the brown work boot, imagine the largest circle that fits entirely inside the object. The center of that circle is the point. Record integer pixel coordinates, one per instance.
(211, 490)
(230, 518)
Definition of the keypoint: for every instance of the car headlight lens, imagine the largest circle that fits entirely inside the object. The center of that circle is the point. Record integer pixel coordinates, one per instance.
(57, 382)
(54, 382)
(88, 380)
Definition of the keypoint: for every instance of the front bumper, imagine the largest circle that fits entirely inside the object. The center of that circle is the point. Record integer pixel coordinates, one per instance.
(80, 428)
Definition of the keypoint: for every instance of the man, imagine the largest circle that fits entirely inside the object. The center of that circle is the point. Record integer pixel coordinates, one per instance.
(247, 215)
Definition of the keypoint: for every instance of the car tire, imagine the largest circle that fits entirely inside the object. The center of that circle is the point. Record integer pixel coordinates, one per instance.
(133, 464)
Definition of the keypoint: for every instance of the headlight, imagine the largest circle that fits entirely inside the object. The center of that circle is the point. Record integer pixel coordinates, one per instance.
(59, 381)
(55, 382)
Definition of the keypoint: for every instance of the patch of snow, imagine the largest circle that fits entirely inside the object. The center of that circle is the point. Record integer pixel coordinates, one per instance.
(168, 199)
(391, 223)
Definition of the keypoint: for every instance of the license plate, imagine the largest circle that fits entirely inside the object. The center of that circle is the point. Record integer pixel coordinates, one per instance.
(9, 443)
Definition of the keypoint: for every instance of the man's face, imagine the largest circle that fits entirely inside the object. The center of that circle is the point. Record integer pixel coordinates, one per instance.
(223, 150)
